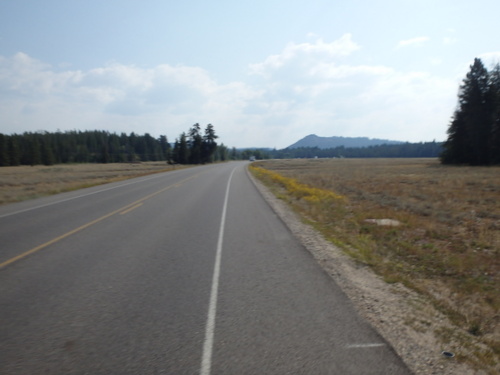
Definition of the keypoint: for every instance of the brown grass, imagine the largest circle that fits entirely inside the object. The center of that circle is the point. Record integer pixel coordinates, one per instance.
(24, 182)
(448, 243)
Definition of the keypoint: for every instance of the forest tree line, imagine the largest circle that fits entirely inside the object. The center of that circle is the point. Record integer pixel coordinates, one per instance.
(33, 148)
(403, 150)
(474, 130)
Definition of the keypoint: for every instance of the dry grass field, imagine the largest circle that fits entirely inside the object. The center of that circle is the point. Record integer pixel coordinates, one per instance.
(444, 240)
(25, 182)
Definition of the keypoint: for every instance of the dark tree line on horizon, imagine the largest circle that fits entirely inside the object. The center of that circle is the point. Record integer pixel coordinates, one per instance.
(403, 150)
(192, 147)
(474, 131)
(104, 147)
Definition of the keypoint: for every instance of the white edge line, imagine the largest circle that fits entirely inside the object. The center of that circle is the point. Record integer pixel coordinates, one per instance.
(359, 346)
(206, 362)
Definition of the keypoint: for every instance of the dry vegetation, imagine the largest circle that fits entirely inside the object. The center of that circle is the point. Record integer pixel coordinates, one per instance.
(446, 246)
(24, 182)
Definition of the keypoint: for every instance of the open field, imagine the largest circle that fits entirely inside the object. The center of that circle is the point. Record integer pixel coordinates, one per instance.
(25, 182)
(444, 241)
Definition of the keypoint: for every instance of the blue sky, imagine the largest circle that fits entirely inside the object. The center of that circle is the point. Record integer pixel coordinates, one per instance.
(264, 73)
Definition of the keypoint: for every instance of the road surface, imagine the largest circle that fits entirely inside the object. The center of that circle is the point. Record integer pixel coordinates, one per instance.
(185, 272)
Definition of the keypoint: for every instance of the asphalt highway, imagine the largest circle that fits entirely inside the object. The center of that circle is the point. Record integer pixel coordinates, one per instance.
(185, 272)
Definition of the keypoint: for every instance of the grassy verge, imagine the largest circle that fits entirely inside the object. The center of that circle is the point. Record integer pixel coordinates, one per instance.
(24, 182)
(446, 245)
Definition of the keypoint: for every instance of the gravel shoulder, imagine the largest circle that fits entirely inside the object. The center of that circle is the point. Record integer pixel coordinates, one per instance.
(403, 317)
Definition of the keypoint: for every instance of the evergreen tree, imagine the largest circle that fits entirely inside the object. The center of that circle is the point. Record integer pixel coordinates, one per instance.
(32, 156)
(456, 146)
(104, 155)
(221, 153)
(195, 144)
(209, 146)
(82, 154)
(470, 129)
(476, 102)
(495, 127)
(14, 151)
(132, 140)
(183, 151)
(102, 147)
(234, 154)
(175, 152)
(4, 154)
(47, 152)
(164, 147)
(115, 155)
(152, 152)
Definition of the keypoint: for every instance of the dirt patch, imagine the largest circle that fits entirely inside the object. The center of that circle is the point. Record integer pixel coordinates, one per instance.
(404, 318)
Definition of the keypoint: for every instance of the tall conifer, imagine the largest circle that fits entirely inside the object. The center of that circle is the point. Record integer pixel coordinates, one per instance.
(470, 130)
(4, 154)
(209, 146)
(195, 144)
(494, 145)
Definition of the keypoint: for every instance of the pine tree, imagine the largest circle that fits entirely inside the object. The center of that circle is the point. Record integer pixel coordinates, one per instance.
(221, 153)
(47, 152)
(477, 105)
(470, 128)
(454, 149)
(152, 150)
(4, 154)
(495, 127)
(164, 147)
(234, 154)
(183, 151)
(209, 146)
(32, 156)
(14, 152)
(115, 154)
(104, 151)
(195, 144)
(103, 147)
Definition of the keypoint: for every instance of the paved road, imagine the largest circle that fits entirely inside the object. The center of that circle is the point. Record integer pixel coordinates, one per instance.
(186, 272)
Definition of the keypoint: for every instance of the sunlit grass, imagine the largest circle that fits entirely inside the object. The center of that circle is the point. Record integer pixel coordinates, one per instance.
(298, 190)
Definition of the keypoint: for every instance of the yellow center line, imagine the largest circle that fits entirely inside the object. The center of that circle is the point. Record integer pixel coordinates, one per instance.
(131, 208)
(123, 210)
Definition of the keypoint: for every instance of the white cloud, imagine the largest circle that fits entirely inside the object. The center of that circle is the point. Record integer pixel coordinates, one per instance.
(306, 52)
(333, 71)
(332, 98)
(410, 106)
(161, 100)
(418, 41)
(27, 76)
(307, 88)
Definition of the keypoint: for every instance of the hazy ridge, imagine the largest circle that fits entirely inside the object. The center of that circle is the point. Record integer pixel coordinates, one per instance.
(313, 140)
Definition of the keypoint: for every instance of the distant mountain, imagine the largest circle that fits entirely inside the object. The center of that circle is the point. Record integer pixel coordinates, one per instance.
(313, 140)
